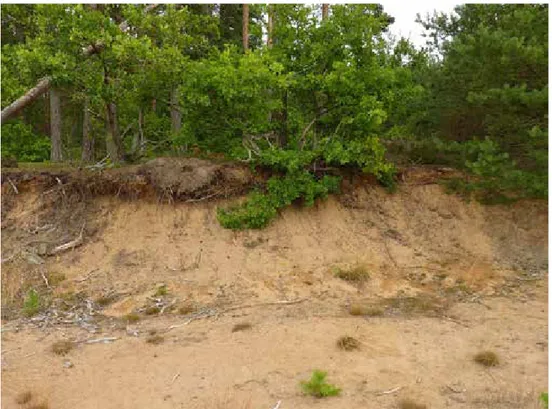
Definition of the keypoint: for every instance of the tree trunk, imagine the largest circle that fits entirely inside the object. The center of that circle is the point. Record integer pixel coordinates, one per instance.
(87, 138)
(176, 116)
(114, 145)
(325, 10)
(270, 26)
(56, 154)
(245, 29)
(138, 141)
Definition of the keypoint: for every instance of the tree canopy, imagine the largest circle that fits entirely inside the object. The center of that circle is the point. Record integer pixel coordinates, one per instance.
(314, 90)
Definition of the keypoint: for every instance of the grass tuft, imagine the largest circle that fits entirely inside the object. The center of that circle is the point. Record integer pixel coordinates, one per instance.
(62, 347)
(32, 304)
(348, 343)
(42, 405)
(132, 317)
(366, 310)
(186, 309)
(152, 310)
(155, 339)
(410, 404)
(318, 387)
(161, 291)
(243, 326)
(24, 398)
(105, 300)
(356, 274)
(487, 358)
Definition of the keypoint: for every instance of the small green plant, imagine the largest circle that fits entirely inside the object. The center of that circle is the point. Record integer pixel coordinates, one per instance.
(318, 387)
(544, 399)
(487, 358)
(32, 304)
(105, 300)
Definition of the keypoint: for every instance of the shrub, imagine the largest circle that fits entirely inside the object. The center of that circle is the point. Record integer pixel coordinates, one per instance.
(32, 304)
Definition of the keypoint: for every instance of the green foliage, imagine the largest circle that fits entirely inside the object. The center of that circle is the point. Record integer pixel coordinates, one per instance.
(32, 303)
(260, 208)
(318, 387)
(544, 399)
(20, 141)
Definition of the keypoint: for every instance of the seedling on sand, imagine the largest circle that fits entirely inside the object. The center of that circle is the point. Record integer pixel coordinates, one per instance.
(243, 326)
(318, 387)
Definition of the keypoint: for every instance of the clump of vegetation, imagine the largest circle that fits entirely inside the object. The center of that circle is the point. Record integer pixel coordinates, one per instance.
(24, 398)
(357, 274)
(132, 317)
(260, 208)
(56, 278)
(348, 343)
(42, 405)
(155, 339)
(187, 308)
(243, 326)
(365, 310)
(161, 291)
(544, 399)
(152, 310)
(105, 300)
(410, 404)
(62, 347)
(32, 304)
(318, 387)
(487, 358)
(421, 304)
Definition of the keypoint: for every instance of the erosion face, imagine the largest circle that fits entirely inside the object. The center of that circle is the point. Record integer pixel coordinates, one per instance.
(165, 308)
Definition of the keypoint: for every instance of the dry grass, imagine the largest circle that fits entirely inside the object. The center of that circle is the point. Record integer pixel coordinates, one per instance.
(62, 347)
(152, 310)
(56, 278)
(487, 358)
(24, 398)
(243, 326)
(155, 339)
(105, 300)
(357, 274)
(410, 404)
(348, 343)
(186, 309)
(366, 310)
(421, 304)
(42, 405)
(161, 291)
(132, 317)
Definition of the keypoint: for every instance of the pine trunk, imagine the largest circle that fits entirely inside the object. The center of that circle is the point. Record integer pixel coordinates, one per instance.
(87, 138)
(270, 27)
(56, 154)
(114, 145)
(325, 10)
(245, 30)
(176, 116)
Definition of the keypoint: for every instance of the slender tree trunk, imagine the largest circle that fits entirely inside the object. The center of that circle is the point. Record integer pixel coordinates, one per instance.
(176, 116)
(87, 138)
(56, 154)
(137, 142)
(245, 27)
(325, 10)
(270, 26)
(114, 145)
(153, 105)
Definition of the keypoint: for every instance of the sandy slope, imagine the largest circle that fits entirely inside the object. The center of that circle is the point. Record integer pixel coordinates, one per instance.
(489, 264)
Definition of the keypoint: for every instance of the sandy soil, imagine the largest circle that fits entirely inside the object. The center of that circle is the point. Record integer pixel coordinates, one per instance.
(485, 267)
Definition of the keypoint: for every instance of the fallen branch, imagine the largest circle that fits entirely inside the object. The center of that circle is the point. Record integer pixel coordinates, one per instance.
(175, 377)
(390, 391)
(264, 304)
(90, 274)
(70, 245)
(44, 278)
(13, 186)
(277, 405)
(105, 340)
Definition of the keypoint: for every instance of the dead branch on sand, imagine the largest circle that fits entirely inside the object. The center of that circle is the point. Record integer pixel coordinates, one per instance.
(69, 245)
